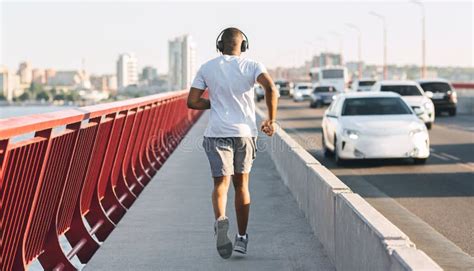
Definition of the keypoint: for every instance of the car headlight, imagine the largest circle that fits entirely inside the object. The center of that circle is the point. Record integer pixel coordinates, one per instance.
(428, 105)
(352, 134)
(416, 131)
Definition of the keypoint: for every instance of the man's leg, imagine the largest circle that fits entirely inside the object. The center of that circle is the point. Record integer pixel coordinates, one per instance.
(242, 200)
(219, 195)
(221, 226)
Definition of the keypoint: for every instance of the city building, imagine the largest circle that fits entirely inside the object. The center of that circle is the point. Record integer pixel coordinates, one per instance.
(149, 74)
(112, 83)
(127, 70)
(182, 62)
(49, 73)
(39, 76)
(10, 86)
(99, 82)
(25, 72)
(327, 59)
(69, 80)
(107, 83)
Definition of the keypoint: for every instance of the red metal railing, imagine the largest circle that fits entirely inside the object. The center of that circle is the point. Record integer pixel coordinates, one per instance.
(463, 85)
(80, 181)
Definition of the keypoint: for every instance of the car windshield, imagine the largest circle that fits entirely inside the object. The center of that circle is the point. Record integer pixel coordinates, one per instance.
(436, 87)
(282, 84)
(303, 87)
(403, 90)
(333, 74)
(366, 83)
(324, 89)
(375, 106)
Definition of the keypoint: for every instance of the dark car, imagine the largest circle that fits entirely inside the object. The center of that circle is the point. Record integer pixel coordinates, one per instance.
(322, 95)
(443, 95)
(285, 87)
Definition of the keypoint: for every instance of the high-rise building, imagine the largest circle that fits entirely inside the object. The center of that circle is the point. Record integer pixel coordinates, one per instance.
(127, 70)
(4, 86)
(25, 72)
(9, 84)
(182, 62)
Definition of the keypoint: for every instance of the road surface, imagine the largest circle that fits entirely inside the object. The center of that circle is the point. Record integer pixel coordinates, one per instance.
(433, 203)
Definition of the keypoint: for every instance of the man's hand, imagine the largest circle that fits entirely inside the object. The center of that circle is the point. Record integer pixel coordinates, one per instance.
(268, 127)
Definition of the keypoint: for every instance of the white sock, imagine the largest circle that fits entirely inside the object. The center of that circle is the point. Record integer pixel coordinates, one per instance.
(242, 236)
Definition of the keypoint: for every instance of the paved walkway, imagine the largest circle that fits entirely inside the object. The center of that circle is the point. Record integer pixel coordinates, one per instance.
(170, 226)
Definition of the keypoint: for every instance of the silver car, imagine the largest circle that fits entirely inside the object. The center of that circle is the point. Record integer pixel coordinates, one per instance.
(322, 95)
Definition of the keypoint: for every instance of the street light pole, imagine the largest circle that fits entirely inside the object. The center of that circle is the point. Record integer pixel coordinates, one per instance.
(359, 47)
(423, 37)
(382, 18)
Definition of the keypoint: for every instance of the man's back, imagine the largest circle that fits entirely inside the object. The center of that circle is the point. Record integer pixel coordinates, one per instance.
(230, 80)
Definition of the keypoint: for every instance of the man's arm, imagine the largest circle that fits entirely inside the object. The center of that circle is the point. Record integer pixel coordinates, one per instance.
(195, 101)
(271, 99)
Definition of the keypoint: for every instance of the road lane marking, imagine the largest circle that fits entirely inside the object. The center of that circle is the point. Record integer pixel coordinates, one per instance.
(450, 156)
(439, 156)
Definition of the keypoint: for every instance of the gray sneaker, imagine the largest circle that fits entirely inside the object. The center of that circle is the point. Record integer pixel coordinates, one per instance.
(240, 244)
(223, 243)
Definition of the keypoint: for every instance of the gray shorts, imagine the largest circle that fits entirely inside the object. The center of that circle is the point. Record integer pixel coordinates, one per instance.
(229, 155)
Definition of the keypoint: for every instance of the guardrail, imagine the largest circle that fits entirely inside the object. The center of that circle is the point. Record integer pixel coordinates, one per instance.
(459, 85)
(354, 234)
(465, 95)
(79, 174)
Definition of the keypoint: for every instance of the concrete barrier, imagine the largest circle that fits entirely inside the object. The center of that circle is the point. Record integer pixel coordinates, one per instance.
(354, 234)
(465, 102)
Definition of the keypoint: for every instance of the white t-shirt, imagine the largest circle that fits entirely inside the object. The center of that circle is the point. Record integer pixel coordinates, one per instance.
(230, 81)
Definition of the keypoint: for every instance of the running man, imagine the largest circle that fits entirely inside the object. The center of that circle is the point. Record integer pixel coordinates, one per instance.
(230, 136)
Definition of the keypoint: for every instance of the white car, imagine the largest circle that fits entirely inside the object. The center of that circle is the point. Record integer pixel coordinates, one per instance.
(364, 84)
(373, 125)
(414, 95)
(302, 91)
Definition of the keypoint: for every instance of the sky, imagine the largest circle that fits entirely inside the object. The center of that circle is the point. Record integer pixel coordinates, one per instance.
(60, 34)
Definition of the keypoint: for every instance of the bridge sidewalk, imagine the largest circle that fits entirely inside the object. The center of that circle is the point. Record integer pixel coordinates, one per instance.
(170, 226)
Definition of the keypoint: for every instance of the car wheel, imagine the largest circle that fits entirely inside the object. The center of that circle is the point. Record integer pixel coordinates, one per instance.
(420, 161)
(327, 152)
(429, 125)
(452, 112)
(339, 160)
(312, 105)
